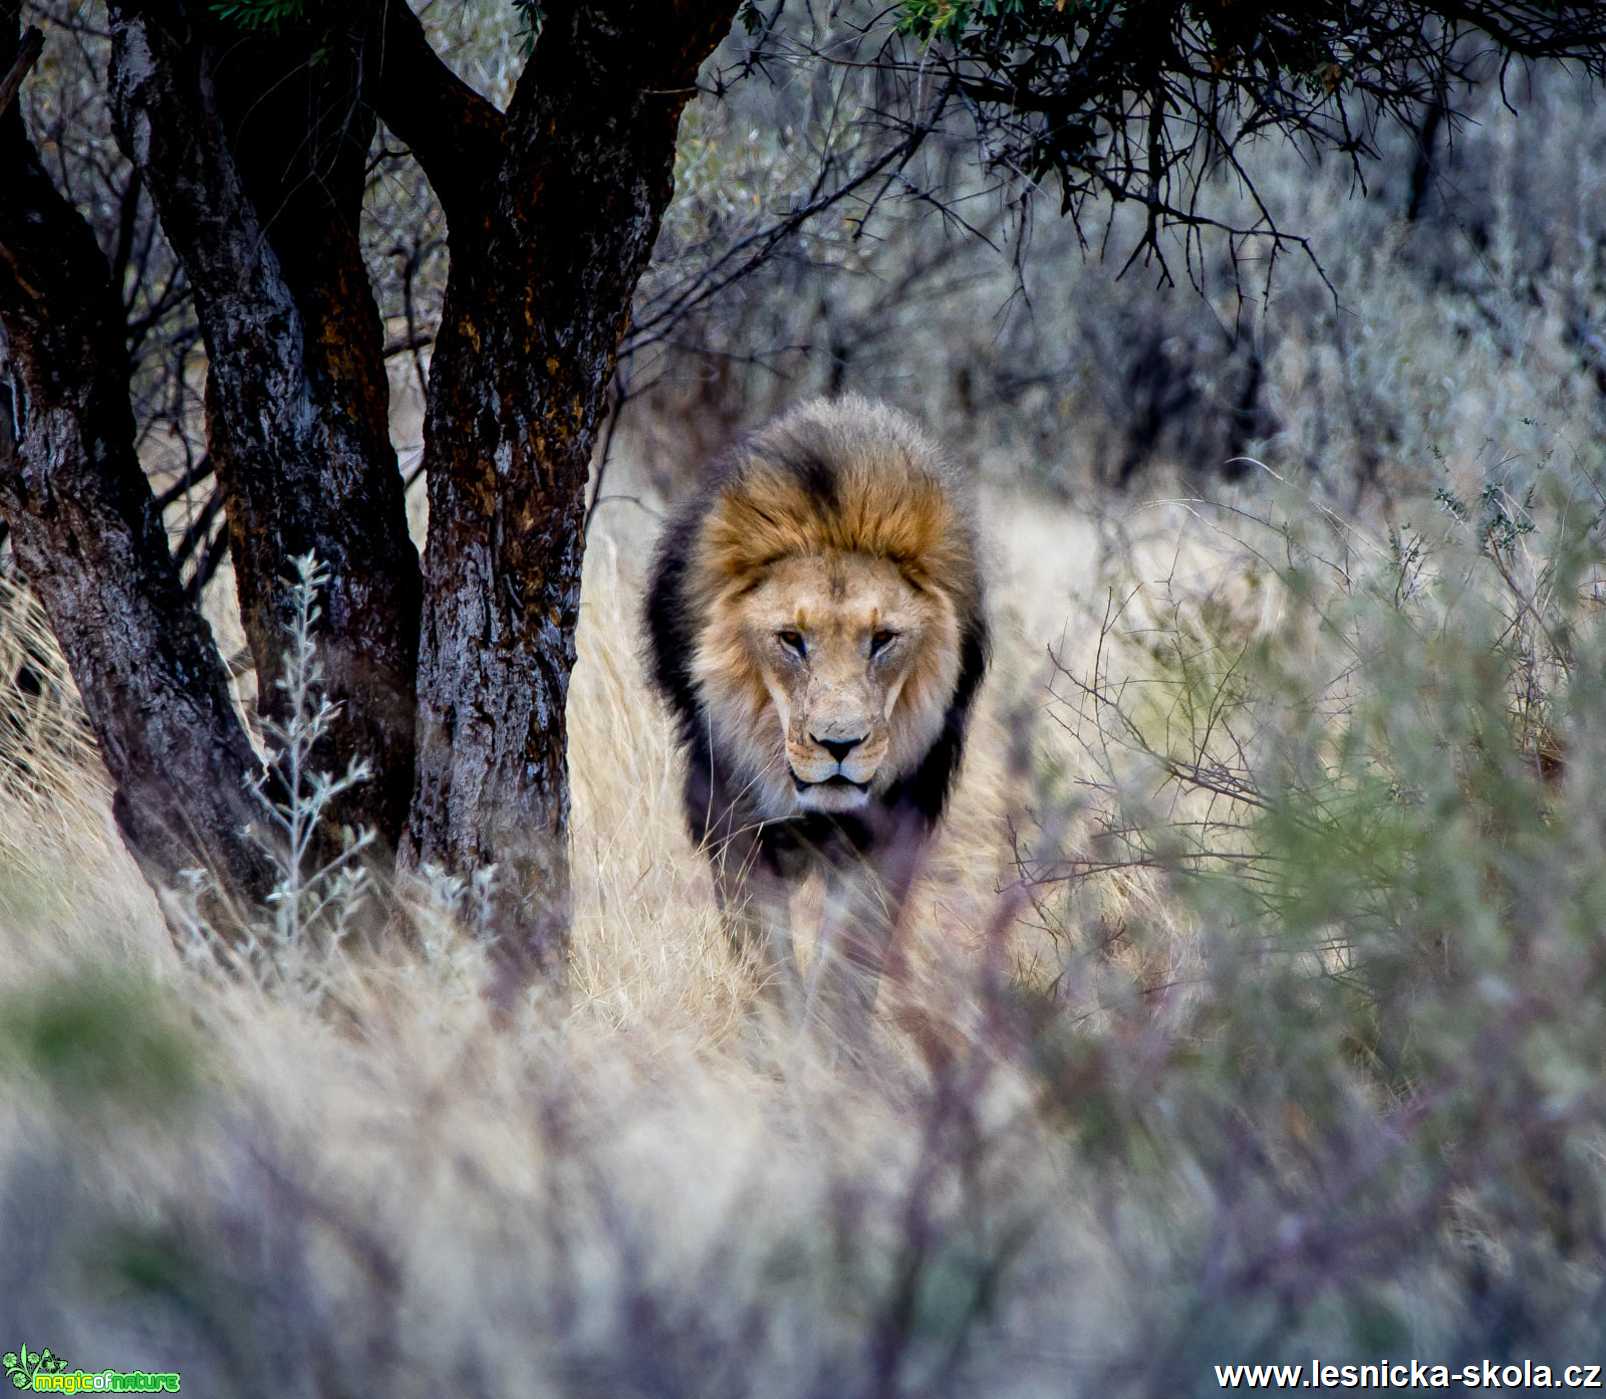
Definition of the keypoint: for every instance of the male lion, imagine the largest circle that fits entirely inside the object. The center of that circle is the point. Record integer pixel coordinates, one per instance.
(815, 624)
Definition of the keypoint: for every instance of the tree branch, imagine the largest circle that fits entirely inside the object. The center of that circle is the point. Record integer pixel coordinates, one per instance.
(1139, 101)
(455, 134)
(28, 51)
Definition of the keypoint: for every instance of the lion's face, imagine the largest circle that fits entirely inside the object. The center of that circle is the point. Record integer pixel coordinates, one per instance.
(833, 673)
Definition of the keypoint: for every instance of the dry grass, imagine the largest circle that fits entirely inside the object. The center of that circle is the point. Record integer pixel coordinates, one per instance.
(1182, 1120)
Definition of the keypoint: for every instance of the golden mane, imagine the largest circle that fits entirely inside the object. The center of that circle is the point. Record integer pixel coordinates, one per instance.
(848, 476)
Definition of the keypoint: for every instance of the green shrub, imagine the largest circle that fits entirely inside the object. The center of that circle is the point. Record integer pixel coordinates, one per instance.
(1369, 1120)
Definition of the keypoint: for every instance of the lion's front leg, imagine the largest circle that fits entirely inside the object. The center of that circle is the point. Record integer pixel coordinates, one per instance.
(755, 908)
(855, 937)
(864, 901)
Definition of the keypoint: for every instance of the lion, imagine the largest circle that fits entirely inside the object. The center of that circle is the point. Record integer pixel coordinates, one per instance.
(816, 626)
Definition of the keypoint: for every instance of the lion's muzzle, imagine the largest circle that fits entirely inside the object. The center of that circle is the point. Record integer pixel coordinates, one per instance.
(831, 773)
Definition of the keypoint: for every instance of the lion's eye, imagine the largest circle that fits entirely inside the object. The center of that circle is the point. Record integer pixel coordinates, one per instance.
(879, 641)
(793, 641)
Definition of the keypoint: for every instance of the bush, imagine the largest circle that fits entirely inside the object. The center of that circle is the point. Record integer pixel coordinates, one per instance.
(1364, 1121)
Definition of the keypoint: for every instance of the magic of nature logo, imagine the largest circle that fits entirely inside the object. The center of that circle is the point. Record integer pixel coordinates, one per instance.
(45, 1372)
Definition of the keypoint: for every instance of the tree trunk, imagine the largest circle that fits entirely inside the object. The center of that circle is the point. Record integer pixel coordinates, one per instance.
(254, 150)
(88, 535)
(253, 147)
(546, 246)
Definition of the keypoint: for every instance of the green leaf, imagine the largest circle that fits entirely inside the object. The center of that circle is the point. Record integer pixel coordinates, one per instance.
(259, 14)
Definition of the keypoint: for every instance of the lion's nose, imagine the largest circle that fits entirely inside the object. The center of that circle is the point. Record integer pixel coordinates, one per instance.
(839, 748)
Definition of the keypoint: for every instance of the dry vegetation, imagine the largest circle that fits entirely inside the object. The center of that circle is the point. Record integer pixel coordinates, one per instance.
(1254, 1000)
(1280, 1038)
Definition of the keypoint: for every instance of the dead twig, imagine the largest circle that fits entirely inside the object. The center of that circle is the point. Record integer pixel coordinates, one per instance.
(28, 51)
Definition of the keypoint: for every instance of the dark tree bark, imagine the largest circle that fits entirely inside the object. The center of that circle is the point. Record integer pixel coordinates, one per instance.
(88, 535)
(552, 215)
(254, 151)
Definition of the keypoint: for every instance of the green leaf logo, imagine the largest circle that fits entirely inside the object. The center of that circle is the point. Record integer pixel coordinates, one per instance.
(22, 1365)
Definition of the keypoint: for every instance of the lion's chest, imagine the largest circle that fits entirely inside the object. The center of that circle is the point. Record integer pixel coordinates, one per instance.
(793, 846)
